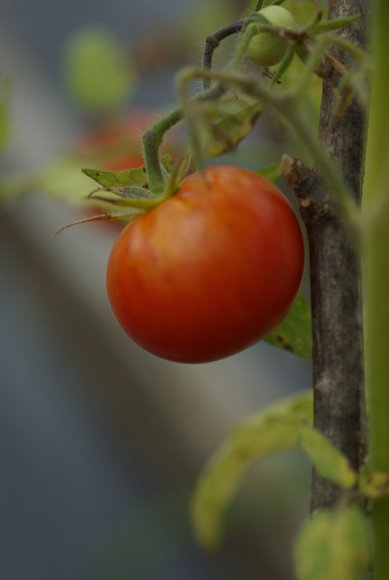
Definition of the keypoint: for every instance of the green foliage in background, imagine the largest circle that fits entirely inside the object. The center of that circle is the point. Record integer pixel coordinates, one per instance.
(333, 545)
(99, 77)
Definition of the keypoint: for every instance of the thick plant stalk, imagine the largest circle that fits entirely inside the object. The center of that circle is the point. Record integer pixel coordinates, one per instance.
(335, 276)
(376, 277)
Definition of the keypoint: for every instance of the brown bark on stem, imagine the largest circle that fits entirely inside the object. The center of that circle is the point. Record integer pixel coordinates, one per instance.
(335, 271)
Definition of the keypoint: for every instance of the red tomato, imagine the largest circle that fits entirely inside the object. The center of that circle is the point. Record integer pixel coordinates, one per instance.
(209, 271)
(116, 144)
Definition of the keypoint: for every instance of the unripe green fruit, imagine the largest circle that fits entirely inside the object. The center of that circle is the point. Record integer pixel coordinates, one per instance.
(268, 48)
(98, 75)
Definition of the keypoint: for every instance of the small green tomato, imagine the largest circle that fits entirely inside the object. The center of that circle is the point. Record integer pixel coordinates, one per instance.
(268, 48)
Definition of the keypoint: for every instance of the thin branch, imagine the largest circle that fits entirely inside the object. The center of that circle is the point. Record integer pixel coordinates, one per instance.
(335, 269)
(212, 42)
(337, 329)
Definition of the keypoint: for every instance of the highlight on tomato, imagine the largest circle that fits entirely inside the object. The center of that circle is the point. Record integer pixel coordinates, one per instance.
(210, 270)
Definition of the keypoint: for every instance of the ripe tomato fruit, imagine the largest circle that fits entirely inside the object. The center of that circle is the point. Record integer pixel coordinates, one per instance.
(210, 270)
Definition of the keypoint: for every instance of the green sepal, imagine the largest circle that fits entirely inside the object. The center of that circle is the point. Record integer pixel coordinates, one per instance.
(327, 460)
(126, 177)
(274, 429)
(167, 165)
(176, 174)
(131, 196)
(330, 25)
(294, 333)
(333, 545)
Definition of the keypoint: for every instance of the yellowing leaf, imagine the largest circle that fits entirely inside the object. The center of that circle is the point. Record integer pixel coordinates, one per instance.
(227, 124)
(333, 545)
(274, 429)
(328, 460)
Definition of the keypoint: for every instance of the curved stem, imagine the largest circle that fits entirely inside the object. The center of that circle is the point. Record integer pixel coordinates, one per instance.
(212, 42)
(151, 141)
(153, 137)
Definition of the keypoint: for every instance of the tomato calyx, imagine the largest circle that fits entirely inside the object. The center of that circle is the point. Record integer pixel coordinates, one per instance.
(124, 194)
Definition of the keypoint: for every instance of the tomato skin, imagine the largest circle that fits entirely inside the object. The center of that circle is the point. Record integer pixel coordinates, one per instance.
(209, 271)
(115, 144)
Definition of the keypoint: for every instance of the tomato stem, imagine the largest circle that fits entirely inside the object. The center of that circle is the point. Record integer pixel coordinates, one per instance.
(313, 61)
(151, 141)
(153, 137)
(376, 277)
(212, 42)
(248, 33)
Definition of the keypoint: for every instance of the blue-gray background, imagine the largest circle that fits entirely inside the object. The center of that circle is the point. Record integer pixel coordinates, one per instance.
(100, 443)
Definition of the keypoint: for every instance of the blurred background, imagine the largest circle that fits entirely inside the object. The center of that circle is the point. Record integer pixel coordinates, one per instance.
(100, 442)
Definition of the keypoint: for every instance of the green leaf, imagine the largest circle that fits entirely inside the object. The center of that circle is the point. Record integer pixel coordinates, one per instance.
(63, 180)
(328, 461)
(294, 333)
(274, 429)
(272, 172)
(126, 177)
(374, 485)
(98, 74)
(333, 545)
